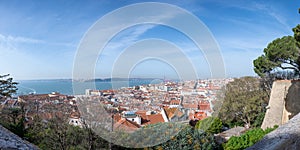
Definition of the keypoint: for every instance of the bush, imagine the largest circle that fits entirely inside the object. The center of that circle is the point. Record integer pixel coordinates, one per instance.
(247, 139)
(210, 125)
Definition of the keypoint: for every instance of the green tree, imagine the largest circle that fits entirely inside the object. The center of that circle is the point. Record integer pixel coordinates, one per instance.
(56, 133)
(247, 139)
(13, 118)
(7, 86)
(244, 101)
(211, 125)
(296, 31)
(281, 55)
(189, 138)
(36, 131)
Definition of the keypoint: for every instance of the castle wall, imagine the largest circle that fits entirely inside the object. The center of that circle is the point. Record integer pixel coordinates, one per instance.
(284, 103)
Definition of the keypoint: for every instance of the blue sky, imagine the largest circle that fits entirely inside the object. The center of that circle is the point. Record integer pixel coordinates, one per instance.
(39, 39)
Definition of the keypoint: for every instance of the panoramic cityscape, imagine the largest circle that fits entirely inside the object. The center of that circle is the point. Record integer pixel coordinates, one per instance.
(149, 75)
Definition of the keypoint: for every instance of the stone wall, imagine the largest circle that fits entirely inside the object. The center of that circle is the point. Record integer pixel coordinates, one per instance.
(286, 137)
(10, 141)
(283, 110)
(292, 101)
(284, 103)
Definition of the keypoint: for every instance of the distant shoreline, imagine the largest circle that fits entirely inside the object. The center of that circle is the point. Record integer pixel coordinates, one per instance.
(65, 86)
(97, 79)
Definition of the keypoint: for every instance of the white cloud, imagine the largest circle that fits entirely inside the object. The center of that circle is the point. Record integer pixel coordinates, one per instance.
(18, 39)
(114, 21)
(261, 7)
(126, 38)
(245, 44)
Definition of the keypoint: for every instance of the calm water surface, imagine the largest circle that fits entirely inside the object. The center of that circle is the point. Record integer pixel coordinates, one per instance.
(65, 86)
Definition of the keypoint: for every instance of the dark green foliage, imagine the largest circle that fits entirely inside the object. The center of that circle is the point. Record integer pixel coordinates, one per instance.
(7, 86)
(189, 138)
(247, 139)
(244, 101)
(13, 119)
(148, 135)
(281, 55)
(57, 134)
(210, 125)
(19, 128)
(296, 31)
(259, 119)
(35, 131)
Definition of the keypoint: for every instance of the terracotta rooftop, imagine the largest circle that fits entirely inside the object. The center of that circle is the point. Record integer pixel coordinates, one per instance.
(193, 106)
(200, 115)
(117, 117)
(126, 125)
(171, 112)
(142, 113)
(75, 114)
(174, 102)
(154, 118)
(204, 106)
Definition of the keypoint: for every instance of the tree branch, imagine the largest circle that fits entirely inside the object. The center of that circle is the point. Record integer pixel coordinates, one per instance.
(294, 68)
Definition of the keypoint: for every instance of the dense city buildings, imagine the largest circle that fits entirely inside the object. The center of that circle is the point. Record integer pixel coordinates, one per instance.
(129, 107)
(138, 106)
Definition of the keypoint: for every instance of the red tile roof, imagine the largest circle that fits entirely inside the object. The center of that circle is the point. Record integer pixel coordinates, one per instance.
(117, 117)
(200, 115)
(204, 105)
(75, 115)
(154, 118)
(174, 102)
(142, 113)
(192, 106)
(126, 125)
(171, 112)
